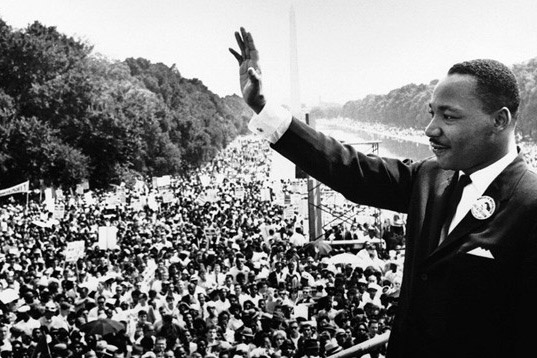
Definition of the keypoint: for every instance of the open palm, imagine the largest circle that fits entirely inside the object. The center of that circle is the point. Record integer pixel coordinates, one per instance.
(249, 71)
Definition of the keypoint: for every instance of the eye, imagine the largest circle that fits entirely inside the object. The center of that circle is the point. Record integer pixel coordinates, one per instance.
(448, 117)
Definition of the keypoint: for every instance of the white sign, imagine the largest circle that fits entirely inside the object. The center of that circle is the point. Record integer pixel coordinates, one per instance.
(80, 188)
(21, 188)
(74, 251)
(163, 181)
(289, 212)
(49, 200)
(59, 211)
(107, 237)
(205, 180)
(219, 178)
(137, 205)
(168, 197)
(152, 202)
(265, 194)
(212, 195)
(89, 199)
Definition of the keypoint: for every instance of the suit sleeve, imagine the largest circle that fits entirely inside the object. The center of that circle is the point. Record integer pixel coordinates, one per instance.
(364, 179)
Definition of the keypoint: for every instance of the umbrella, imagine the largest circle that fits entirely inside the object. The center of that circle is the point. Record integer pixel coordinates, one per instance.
(42, 224)
(109, 276)
(317, 248)
(102, 326)
(8, 295)
(347, 258)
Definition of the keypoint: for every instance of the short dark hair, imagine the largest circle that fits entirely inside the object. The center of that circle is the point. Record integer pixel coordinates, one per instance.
(496, 83)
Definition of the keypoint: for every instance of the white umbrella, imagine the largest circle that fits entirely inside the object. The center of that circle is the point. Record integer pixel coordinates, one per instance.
(41, 224)
(8, 295)
(347, 258)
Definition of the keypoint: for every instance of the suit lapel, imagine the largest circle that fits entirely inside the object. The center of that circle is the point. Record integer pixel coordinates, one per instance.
(499, 190)
(435, 211)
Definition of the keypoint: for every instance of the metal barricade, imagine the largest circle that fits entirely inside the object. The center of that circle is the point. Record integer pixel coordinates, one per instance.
(364, 347)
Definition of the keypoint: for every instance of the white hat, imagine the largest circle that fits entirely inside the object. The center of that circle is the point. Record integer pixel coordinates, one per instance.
(374, 286)
(23, 309)
(50, 306)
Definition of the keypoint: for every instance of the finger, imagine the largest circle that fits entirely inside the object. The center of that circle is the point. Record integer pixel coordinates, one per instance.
(237, 55)
(249, 41)
(240, 42)
(245, 43)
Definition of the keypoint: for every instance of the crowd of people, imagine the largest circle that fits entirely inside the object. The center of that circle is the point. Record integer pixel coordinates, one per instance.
(210, 265)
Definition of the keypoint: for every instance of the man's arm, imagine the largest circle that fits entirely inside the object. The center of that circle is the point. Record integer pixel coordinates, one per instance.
(371, 181)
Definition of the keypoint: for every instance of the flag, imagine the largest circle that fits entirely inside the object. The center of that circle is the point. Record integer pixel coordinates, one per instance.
(21, 188)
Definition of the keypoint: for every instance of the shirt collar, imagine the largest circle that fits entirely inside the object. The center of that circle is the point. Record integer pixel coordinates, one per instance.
(482, 178)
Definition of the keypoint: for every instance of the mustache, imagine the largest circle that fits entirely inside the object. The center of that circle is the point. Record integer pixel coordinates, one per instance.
(433, 141)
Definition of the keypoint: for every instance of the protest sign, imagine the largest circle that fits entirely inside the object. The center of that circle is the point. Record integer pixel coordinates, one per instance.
(20, 188)
(74, 251)
(107, 237)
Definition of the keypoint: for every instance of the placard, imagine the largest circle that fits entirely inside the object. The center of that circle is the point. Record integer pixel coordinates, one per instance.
(75, 250)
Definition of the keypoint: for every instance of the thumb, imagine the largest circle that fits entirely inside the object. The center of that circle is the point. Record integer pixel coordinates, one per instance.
(254, 75)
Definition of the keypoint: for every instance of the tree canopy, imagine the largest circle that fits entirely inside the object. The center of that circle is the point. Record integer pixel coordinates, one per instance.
(67, 115)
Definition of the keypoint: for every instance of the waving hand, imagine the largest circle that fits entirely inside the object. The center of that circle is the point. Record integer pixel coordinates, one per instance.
(249, 71)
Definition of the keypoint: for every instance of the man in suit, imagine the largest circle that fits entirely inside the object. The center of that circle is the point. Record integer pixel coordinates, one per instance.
(470, 278)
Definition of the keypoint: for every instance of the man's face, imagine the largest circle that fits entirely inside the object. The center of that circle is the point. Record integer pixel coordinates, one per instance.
(3, 332)
(212, 334)
(373, 328)
(238, 289)
(160, 345)
(462, 135)
(180, 352)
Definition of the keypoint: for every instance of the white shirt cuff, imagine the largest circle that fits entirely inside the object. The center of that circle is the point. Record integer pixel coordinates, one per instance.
(271, 123)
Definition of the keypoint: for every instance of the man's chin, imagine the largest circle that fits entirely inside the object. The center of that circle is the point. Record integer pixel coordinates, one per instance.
(445, 163)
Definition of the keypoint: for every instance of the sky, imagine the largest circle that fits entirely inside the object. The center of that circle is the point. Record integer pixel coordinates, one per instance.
(346, 49)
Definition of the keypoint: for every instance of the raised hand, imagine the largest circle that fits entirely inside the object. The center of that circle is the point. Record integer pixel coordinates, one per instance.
(249, 71)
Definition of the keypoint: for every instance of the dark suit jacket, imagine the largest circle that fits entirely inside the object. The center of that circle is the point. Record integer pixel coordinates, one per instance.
(452, 304)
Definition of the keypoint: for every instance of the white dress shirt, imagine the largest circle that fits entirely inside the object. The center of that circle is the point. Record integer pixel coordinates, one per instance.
(481, 180)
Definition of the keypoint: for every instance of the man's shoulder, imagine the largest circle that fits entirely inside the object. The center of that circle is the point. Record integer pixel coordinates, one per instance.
(428, 171)
(427, 164)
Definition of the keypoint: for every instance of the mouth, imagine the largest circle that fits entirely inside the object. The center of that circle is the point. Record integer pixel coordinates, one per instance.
(438, 148)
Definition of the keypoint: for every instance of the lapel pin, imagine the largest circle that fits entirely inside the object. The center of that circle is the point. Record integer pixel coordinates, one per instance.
(483, 208)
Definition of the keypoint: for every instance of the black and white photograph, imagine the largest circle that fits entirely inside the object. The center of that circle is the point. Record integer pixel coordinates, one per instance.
(268, 179)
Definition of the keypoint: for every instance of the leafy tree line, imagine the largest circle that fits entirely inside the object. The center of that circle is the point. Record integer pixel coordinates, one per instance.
(407, 106)
(67, 115)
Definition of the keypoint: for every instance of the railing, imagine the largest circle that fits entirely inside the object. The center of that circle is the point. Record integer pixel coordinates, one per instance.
(364, 347)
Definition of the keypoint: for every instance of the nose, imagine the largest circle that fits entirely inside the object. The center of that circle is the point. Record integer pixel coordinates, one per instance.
(433, 129)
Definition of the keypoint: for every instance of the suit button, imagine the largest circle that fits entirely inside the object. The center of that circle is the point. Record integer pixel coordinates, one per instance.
(424, 277)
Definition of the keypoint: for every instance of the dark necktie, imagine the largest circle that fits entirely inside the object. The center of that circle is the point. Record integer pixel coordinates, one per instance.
(453, 202)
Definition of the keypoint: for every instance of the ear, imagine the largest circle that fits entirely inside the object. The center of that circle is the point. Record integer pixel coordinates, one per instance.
(502, 119)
